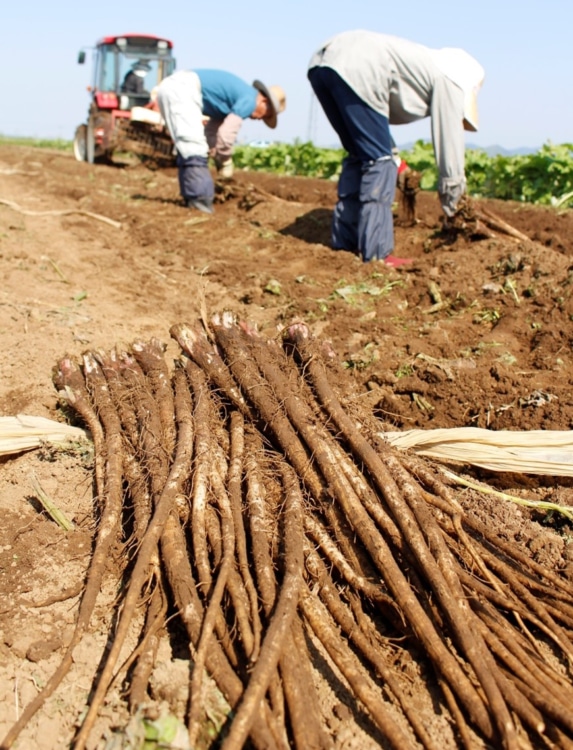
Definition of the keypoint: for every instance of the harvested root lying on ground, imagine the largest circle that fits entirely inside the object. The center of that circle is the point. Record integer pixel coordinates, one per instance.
(295, 546)
(471, 219)
(60, 212)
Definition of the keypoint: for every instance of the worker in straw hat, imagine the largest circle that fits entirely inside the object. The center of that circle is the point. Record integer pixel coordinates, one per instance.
(203, 111)
(366, 82)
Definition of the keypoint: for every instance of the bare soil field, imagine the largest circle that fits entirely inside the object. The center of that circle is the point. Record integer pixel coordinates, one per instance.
(477, 332)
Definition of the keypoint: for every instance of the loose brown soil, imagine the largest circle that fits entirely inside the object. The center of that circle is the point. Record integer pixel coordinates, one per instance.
(478, 331)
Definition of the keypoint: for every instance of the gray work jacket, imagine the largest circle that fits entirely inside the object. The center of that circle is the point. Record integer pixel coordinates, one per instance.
(401, 80)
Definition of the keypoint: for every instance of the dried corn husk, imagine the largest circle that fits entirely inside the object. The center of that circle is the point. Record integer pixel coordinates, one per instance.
(548, 452)
(24, 433)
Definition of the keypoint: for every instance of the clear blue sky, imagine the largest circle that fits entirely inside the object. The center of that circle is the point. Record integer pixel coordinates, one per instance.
(525, 48)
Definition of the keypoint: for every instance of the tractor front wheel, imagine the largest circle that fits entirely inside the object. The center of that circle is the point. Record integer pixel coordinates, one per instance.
(98, 134)
(80, 143)
(90, 140)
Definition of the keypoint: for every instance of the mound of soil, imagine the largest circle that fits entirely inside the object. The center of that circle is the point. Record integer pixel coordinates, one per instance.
(477, 331)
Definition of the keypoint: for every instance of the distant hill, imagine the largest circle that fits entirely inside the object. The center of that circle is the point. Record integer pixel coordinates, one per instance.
(489, 150)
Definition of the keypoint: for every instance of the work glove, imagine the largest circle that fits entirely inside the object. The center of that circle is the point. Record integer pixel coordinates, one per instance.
(225, 168)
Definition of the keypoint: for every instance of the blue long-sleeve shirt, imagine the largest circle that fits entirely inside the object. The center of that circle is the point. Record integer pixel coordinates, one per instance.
(225, 93)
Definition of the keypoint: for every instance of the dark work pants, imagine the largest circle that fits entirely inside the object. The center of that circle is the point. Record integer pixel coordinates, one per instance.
(195, 180)
(362, 217)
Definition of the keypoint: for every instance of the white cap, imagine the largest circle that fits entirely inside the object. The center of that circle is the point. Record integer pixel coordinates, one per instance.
(465, 71)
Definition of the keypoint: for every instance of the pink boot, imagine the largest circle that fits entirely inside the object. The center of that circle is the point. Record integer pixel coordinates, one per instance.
(394, 262)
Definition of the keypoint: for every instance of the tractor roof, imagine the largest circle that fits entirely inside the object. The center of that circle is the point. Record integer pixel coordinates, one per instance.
(134, 39)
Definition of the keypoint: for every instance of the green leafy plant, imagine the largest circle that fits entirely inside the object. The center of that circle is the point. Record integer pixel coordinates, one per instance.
(404, 371)
(544, 177)
(354, 293)
(291, 159)
(487, 315)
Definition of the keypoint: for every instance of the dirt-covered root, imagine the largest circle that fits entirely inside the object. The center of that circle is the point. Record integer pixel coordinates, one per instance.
(360, 629)
(432, 551)
(163, 507)
(473, 221)
(408, 185)
(71, 386)
(282, 615)
(106, 429)
(274, 535)
(194, 343)
(150, 358)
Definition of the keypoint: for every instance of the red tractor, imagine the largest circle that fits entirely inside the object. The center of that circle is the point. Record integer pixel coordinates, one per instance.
(126, 70)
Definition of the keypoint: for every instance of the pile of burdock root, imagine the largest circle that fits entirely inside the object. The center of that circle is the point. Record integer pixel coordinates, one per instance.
(269, 517)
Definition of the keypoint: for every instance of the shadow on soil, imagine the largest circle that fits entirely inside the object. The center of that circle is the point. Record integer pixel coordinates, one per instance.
(312, 227)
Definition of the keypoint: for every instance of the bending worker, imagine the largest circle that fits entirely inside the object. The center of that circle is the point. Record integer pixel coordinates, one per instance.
(366, 82)
(203, 111)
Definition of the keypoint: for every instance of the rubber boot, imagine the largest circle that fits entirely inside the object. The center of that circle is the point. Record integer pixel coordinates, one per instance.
(201, 204)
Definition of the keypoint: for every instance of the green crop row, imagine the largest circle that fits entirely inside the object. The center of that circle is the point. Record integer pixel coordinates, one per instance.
(544, 177)
(302, 159)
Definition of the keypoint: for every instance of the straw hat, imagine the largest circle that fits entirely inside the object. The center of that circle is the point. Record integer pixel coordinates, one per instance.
(465, 71)
(277, 100)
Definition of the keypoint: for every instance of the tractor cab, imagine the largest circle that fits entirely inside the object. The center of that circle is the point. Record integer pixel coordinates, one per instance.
(126, 69)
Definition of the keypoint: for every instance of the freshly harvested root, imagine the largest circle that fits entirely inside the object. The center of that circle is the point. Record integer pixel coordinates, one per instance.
(152, 362)
(260, 393)
(471, 219)
(110, 494)
(300, 693)
(147, 650)
(320, 536)
(113, 366)
(288, 539)
(163, 508)
(493, 221)
(223, 534)
(195, 344)
(236, 463)
(360, 682)
(281, 619)
(408, 184)
(364, 635)
(202, 451)
(71, 386)
(211, 613)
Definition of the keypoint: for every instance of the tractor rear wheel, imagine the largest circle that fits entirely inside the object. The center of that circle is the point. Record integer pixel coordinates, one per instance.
(80, 143)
